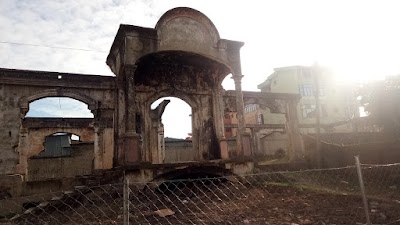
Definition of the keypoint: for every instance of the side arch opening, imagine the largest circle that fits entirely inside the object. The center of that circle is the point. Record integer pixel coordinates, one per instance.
(57, 132)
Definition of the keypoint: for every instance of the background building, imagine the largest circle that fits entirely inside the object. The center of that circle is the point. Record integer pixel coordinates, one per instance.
(338, 103)
(339, 109)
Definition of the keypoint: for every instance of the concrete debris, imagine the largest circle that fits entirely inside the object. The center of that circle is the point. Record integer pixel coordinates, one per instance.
(164, 212)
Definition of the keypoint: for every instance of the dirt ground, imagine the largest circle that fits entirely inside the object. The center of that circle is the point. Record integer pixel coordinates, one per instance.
(218, 204)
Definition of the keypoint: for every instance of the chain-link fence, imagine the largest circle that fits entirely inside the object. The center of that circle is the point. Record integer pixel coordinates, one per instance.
(322, 196)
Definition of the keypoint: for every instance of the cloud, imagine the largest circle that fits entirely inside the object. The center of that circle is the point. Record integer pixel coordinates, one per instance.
(77, 24)
(276, 33)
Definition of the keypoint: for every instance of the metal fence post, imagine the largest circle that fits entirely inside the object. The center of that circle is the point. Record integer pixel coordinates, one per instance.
(360, 180)
(126, 200)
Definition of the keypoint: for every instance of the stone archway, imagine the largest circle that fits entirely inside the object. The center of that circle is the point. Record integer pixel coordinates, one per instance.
(170, 131)
(24, 101)
(146, 120)
(100, 126)
(185, 56)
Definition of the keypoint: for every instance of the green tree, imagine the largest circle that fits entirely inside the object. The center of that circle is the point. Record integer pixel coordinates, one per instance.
(381, 101)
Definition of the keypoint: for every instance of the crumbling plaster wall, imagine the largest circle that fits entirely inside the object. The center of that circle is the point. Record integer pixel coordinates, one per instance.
(79, 163)
(281, 103)
(272, 143)
(9, 129)
(179, 151)
(19, 87)
(32, 142)
(188, 30)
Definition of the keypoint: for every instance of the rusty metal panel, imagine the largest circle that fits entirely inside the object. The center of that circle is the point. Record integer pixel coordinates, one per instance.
(56, 146)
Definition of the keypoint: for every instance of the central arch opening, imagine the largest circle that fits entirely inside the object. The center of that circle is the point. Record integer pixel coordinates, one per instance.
(174, 123)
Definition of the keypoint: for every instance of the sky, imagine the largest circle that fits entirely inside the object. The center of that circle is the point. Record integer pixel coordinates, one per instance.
(358, 40)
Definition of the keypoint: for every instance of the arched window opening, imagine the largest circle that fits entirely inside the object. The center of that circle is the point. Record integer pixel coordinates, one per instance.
(58, 107)
(174, 118)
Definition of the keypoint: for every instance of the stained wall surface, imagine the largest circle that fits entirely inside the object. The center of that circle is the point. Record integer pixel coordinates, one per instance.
(79, 163)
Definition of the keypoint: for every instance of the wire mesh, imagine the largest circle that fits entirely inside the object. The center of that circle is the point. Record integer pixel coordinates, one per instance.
(320, 196)
(83, 205)
(382, 186)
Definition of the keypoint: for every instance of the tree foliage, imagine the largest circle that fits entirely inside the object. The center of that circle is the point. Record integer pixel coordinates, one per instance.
(381, 101)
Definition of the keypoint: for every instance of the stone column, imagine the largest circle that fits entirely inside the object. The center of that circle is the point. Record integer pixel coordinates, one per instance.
(23, 148)
(296, 149)
(218, 115)
(131, 140)
(130, 99)
(120, 123)
(223, 144)
(240, 112)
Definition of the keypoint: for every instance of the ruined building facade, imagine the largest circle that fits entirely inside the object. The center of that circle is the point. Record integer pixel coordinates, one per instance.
(183, 57)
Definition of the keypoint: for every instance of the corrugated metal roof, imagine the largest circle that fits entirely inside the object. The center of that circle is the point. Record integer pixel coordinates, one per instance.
(56, 146)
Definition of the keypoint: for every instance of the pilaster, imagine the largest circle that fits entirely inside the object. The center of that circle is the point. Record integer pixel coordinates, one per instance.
(240, 113)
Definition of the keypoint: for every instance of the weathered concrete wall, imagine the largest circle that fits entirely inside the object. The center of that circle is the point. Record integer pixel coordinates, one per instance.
(79, 163)
(18, 88)
(280, 103)
(185, 30)
(9, 128)
(371, 151)
(36, 138)
(272, 143)
(35, 130)
(107, 154)
(180, 151)
(180, 29)
(11, 184)
(231, 142)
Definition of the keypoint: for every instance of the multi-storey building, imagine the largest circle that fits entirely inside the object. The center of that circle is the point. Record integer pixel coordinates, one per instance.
(337, 100)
